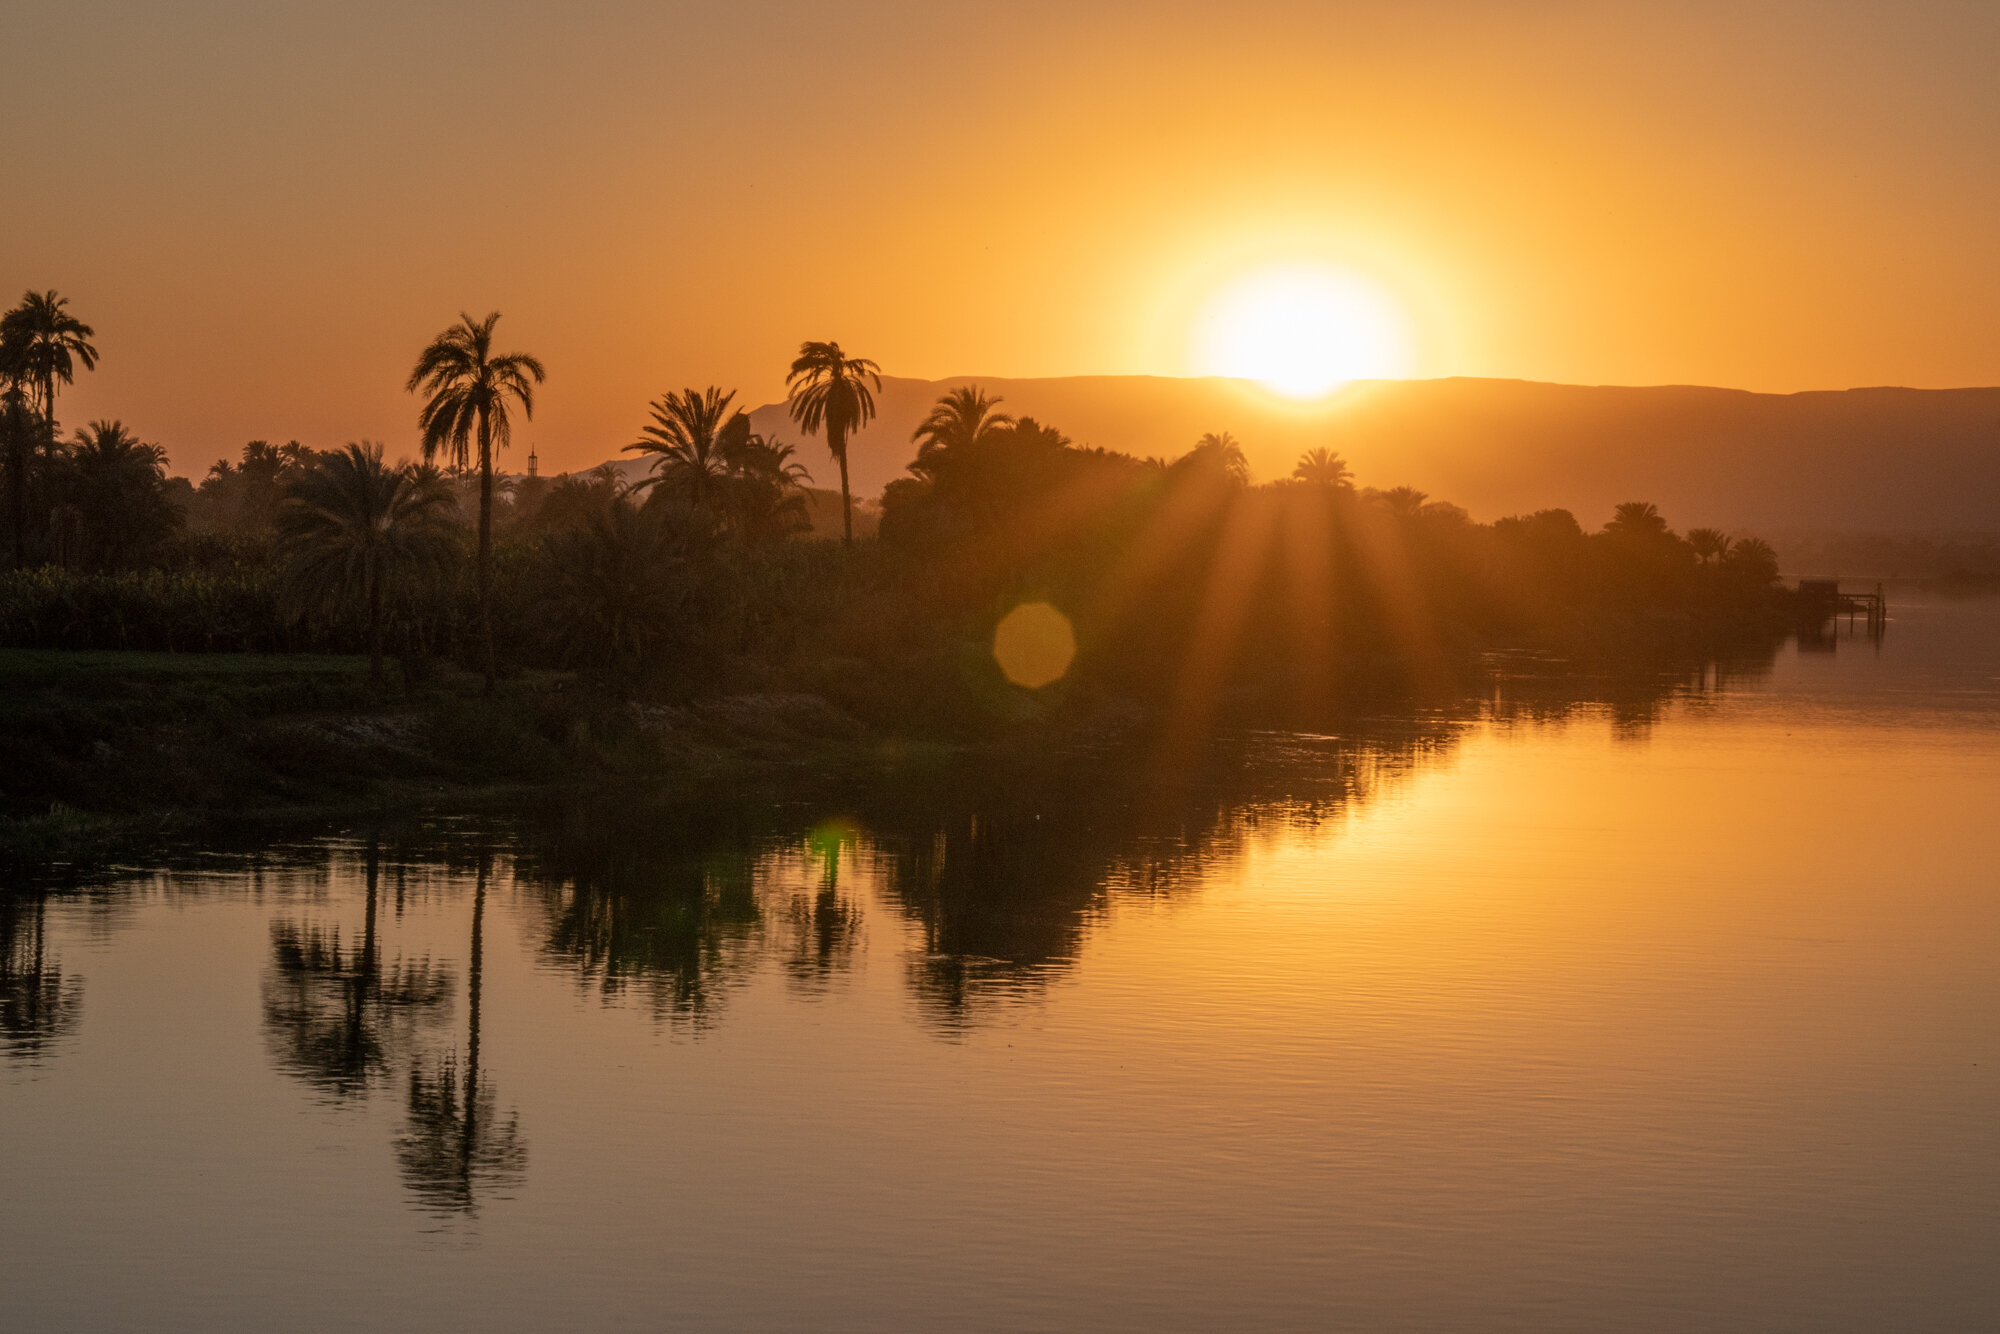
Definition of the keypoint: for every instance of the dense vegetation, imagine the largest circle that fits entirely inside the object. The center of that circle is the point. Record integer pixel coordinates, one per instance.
(1189, 588)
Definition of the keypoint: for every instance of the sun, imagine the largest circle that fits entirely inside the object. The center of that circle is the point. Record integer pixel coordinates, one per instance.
(1302, 330)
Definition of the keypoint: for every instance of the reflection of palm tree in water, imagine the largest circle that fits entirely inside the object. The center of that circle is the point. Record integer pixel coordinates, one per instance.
(825, 930)
(37, 1002)
(456, 1142)
(334, 1015)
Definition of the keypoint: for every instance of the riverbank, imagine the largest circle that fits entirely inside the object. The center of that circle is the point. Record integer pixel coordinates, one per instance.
(112, 751)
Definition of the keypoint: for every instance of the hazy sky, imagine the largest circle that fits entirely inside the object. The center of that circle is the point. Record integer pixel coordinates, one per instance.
(265, 209)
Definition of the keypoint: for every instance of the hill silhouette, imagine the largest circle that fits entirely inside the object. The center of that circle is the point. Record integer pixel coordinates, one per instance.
(1858, 460)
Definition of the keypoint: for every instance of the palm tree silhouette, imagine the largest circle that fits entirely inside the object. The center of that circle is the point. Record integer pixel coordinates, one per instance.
(1710, 544)
(764, 495)
(687, 441)
(468, 389)
(117, 510)
(831, 389)
(1753, 560)
(1637, 518)
(352, 527)
(41, 342)
(1405, 502)
(1217, 455)
(960, 420)
(1324, 467)
(19, 428)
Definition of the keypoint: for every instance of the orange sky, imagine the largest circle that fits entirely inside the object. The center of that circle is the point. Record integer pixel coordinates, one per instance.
(266, 210)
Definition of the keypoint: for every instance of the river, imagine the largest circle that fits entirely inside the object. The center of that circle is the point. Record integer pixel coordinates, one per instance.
(1673, 1008)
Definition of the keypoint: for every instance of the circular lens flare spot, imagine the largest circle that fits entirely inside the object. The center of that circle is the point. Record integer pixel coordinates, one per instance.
(1034, 645)
(1303, 331)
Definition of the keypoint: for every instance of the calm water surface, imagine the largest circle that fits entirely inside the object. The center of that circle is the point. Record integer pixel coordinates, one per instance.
(1678, 1011)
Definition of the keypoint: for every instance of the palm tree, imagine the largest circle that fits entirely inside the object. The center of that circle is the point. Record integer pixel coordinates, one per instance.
(687, 441)
(353, 527)
(1710, 544)
(1030, 435)
(1752, 560)
(41, 342)
(114, 489)
(468, 389)
(1218, 454)
(18, 428)
(764, 494)
(1405, 502)
(960, 420)
(831, 389)
(1637, 518)
(1324, 467)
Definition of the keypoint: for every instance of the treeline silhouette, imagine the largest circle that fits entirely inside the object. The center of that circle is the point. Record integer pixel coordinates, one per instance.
(1186, 583)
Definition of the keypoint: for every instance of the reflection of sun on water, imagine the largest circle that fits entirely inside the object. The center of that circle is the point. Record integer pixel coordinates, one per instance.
(1302, 330)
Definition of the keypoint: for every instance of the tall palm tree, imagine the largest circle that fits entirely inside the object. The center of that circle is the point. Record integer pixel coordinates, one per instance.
(831, 389)
(960, 420)
(687, 441)
(41, 342)
(1324, 467)
(18, 430)
(468, 388)
(353, 527)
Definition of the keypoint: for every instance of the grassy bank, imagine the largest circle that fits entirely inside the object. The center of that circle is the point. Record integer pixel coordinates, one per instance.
(112, 749)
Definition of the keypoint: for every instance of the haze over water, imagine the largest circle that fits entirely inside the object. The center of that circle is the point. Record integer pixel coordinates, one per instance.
(1669, 1015)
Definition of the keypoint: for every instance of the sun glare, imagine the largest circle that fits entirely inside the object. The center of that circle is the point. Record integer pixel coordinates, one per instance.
(1303, 331)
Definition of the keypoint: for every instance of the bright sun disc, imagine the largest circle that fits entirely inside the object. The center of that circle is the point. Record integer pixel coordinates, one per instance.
(1302, 331)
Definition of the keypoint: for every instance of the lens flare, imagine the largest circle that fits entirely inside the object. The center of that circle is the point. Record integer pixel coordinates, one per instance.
(1303, 331)
(1034, 645)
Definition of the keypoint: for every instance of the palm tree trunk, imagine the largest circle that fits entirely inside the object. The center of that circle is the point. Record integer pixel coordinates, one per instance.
(486, 548)
(17, 488)
(836, 439)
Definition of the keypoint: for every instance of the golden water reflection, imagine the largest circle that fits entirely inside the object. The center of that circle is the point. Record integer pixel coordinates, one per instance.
(1653, 1009)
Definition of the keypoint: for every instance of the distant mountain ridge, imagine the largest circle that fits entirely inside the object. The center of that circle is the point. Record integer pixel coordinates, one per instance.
(1858, 460)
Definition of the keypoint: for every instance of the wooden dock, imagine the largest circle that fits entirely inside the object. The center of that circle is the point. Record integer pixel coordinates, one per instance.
(1823, 604)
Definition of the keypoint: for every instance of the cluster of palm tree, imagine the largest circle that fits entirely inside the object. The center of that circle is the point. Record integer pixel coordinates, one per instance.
(630, 577)
(41, 345)
(710, 459)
